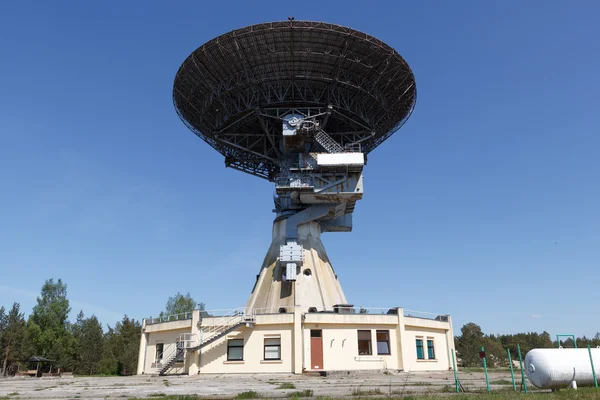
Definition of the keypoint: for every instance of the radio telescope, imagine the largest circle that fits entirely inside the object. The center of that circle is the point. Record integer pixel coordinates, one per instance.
(301, 104)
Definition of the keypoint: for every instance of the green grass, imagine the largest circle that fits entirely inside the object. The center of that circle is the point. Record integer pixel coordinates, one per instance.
(250, 394)
(157, 395)
(49, 387)
(166, 382)
(480, 369)
(501, 382)
(303, 393)
(370, 392)
(173, 397)
(565, 394)
(13, 394)
(286, 385)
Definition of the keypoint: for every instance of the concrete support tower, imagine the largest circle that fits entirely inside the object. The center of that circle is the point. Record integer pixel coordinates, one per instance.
(316, 192)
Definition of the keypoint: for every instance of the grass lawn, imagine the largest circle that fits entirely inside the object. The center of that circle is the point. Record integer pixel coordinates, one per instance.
(580, 394)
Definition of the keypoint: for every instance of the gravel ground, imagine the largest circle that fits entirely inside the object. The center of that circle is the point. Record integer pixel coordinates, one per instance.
(340, 384)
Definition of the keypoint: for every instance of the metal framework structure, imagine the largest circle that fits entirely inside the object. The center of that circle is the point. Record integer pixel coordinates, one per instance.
(234, 91)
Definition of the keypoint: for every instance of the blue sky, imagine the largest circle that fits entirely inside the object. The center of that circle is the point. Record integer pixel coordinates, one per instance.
(485, 205)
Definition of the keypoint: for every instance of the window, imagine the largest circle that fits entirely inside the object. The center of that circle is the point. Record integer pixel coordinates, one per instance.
(364, 343)
(272, 348)
(420, 354)
(235, 350)
(159, 351)
(180, 352)
(383, 342)
(430, 349)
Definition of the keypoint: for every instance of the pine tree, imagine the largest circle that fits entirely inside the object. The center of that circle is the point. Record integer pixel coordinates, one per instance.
(77, 332)
(12, 336)
(121, 348)
(91, 344)
(48, 327)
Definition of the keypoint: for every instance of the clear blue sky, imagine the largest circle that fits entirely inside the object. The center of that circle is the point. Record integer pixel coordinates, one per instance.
(485, 205)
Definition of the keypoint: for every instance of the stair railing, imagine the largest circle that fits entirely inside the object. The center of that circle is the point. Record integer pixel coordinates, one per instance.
(170, 358)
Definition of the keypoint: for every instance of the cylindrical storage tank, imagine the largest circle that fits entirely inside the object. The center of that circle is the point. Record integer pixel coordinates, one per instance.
(557, 368)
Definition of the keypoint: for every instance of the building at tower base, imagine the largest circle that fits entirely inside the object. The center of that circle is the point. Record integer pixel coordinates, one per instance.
(253, 341)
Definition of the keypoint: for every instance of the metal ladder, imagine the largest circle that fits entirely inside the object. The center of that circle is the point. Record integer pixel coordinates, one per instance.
(330, 145)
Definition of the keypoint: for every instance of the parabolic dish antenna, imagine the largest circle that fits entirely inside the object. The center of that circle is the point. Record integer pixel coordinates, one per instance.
(299, 103)
(231, 90)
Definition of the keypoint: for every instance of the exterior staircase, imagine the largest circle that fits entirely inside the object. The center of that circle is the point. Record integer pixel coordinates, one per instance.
(220, 327)
(173, 358)
(327, 142)
(218, 336)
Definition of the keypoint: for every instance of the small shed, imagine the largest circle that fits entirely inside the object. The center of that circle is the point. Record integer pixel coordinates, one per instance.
(40, 364)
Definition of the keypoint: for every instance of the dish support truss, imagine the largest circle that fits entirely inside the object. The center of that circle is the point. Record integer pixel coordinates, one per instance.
(320, 181)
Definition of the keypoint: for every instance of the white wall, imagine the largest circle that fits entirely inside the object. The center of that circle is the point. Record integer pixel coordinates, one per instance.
(213, 358)
(340, 344)
(340, 347)
(411, 363)
(169, 339)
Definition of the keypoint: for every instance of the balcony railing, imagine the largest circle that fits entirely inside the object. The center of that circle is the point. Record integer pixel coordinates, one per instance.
(169, 318)
(341, 309)
(426, 315)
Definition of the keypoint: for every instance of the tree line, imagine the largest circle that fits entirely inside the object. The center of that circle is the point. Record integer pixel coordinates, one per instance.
(82, 347)
(471, 339)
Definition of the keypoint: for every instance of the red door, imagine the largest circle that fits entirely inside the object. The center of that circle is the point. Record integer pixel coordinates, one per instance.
(316, 349)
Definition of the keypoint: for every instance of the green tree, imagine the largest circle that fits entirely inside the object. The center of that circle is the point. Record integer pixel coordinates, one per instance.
(48, 328)
(91, 345)
(2, 320)
(180, 304)
(121, 348)
(76, 331)
(88, 343)
(469, 343)
(12, 336)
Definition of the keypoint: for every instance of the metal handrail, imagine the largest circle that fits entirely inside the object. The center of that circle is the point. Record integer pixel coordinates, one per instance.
(169, 318)
(233, 317)
(171, 354)
(425, 315)
(189, 340)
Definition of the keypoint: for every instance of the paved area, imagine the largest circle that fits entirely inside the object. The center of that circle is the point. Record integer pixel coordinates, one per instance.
(342, 384)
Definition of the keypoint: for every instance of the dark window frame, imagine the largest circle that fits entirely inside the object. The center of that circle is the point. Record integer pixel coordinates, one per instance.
(430, 348)
(387, 341)
(369, 341)
(162, 352)
(271, 346)
(420, 347)
(229, 346)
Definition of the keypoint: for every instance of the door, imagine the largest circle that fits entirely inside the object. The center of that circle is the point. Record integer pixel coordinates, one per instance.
(316, 349)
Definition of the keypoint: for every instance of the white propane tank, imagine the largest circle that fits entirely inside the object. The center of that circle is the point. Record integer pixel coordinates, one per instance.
(557, 368)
